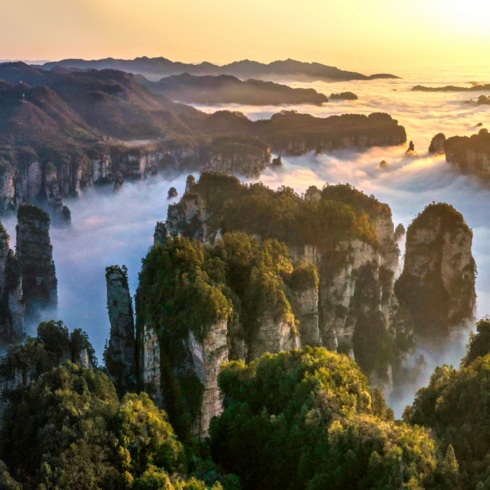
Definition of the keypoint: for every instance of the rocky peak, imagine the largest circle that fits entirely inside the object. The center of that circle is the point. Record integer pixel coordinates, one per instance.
(438, 281)
(35, 255)
(12, 308)
(172, 192)
(313, 194)
(189, 184)
(437, 144)
(411, 150)
(120, 354)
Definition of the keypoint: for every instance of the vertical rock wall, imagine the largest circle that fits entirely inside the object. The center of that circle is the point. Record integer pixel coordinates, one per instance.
(12, 308)
(151, 366)
(35, 254)
(120, 355)
(438, 280)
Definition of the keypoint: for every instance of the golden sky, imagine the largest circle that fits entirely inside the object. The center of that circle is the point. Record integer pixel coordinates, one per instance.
(364, 35)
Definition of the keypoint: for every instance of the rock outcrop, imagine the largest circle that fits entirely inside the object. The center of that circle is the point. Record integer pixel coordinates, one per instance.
(12, 307)
(355, 280)
(295, 134)
(438, 281)
(341, 293)
(344, 96)
(35, 256)
(120, 355)
(172, 193)
(470, 154)
(437, 144)
(411, 150)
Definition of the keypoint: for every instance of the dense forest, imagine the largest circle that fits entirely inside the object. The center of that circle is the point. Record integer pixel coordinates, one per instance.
(303, 419)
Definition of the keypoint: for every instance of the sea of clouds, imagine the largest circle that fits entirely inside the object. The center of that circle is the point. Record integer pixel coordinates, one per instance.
(118, 228)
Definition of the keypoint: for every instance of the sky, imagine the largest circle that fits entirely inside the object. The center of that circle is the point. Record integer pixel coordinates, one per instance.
(363, 35)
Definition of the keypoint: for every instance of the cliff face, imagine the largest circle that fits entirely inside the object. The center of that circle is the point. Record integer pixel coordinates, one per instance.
(12, 308)
(341, 298)
(319, 291)
(470, 154)
(437, 144)
(201, 363)
(28, 178)
(291, 133)
(120, 355)
(438, 281)
(35, 255)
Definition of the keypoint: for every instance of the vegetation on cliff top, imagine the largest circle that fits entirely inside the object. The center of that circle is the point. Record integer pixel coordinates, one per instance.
(28, 211)
(186, 287)
(442, 214)
(343, 213)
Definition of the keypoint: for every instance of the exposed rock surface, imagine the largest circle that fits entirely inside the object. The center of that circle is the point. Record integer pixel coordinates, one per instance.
(292, 133)
(150, 366)
(470, 154)
(348, 301)
(120, 355)
(438, 281)
(160, 233)
(119, 182)
(358, 279)
(437, 144)
(35, 255)
(411, 150)
(12, 308)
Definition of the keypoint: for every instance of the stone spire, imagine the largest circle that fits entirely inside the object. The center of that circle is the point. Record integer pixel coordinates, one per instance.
(35, 255)
(12, 308)
(120, 354)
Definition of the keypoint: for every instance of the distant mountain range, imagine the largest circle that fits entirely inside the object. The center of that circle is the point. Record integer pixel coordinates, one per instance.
(452, 88)
(227, 89)
(40, 108)
(277, 70)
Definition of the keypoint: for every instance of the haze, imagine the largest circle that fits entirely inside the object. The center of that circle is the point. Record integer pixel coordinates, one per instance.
(380, 35)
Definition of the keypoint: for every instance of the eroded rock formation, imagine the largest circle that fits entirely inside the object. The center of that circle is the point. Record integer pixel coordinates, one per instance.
(411, 150)
(341, 291)
(438, 281)
(470, 154)
(120, 355)
(35, 255)
(437, 144)
(12, 307)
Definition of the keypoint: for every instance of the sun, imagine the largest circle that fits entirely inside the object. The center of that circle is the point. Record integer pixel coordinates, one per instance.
(465, 13)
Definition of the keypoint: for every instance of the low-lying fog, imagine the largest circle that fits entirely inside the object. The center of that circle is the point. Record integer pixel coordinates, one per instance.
(118, 228)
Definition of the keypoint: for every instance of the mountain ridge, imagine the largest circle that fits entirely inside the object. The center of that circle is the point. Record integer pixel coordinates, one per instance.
(280, 69)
